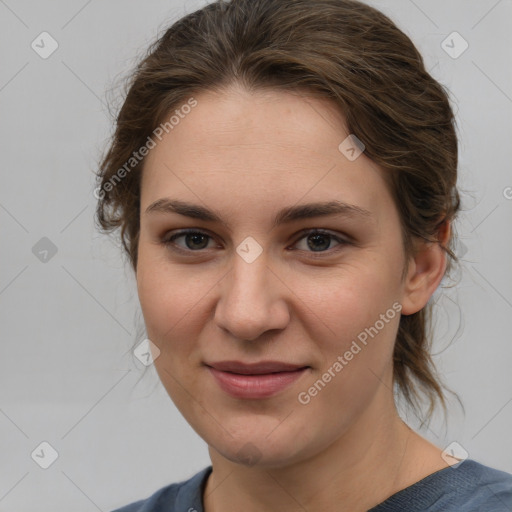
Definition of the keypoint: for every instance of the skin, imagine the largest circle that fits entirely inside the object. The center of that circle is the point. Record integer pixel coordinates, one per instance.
(245, 155)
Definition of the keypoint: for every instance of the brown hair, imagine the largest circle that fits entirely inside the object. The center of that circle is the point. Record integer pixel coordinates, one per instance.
(342, 50)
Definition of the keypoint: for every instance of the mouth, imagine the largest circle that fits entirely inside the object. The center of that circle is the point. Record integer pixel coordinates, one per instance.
(255, 380)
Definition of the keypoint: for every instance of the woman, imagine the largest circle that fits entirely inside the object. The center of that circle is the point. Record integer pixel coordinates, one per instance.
(283, 174)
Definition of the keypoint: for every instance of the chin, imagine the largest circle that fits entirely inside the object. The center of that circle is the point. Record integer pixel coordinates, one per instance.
(258, 445)
(252, 455)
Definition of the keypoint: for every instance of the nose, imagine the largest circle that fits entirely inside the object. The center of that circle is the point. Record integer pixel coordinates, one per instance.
(252, 300)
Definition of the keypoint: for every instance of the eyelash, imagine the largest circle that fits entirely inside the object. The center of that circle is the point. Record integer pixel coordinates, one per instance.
(169, 241)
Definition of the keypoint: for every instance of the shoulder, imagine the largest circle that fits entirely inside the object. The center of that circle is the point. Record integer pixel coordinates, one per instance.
(185, 495)
(482, 486)
(467, 487)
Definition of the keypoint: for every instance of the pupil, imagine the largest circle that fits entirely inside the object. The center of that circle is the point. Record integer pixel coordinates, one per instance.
(319, 246)
(196, 238)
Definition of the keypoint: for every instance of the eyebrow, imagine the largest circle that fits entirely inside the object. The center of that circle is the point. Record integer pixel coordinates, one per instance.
(286, 215)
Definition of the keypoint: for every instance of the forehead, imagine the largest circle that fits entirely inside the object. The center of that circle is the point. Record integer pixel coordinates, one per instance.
(260, 148)
(238, 119)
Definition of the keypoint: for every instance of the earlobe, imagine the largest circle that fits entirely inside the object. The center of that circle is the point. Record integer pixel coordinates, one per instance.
(426, 269)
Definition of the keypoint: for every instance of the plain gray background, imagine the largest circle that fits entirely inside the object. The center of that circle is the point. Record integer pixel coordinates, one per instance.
(68, 323)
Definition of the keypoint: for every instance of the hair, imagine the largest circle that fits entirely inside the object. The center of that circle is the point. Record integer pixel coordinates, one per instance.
(342, 50)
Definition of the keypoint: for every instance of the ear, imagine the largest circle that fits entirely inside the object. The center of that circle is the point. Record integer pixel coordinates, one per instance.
(426, 269)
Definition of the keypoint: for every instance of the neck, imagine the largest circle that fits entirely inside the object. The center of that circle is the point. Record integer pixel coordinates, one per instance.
(378, 456)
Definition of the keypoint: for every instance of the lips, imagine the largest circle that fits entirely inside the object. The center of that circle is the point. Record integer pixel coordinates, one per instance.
(255, 368)
(255, 380)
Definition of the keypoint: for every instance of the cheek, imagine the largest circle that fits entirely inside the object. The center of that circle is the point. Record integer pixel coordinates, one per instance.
(356, 351)
(173, 300)
(351, 299)
(158, 287)
(354, 320)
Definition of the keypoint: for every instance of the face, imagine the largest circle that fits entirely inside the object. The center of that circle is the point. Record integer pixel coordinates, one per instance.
(275, 322)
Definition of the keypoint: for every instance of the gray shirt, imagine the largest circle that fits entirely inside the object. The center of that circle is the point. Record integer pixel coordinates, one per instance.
(469, 487)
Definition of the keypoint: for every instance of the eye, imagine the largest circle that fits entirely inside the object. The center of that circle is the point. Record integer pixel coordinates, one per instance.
(194, 241)
(317, 240)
